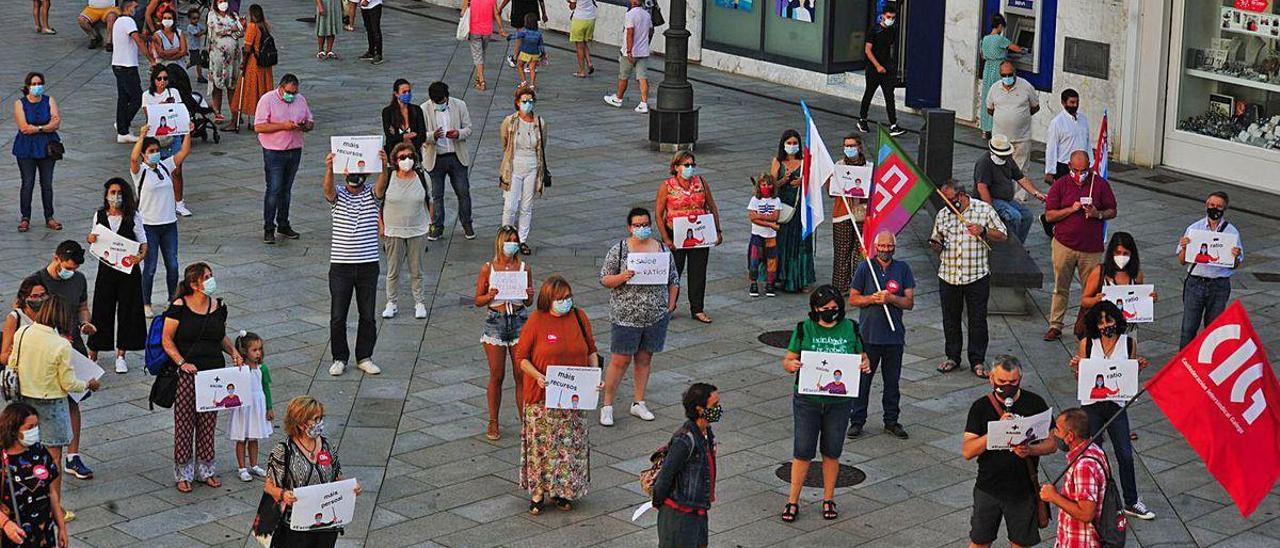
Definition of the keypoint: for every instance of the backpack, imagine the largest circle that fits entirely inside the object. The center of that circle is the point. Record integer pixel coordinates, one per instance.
(154, 358)
(649, 476)
(267, 55)
(1110, 523)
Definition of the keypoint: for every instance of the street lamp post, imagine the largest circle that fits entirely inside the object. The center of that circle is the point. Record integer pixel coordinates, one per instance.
(673, 124)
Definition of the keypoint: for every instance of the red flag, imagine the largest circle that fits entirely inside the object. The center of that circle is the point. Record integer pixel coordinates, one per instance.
(1221, 393)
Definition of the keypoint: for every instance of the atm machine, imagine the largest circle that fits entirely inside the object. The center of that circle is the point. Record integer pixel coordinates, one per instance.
(1031, 25)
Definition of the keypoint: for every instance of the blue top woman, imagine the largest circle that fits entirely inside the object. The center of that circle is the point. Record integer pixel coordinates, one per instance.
(36, 116)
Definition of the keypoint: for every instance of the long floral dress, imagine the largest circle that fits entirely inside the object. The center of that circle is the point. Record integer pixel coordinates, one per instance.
(225, 31)
(995, 49)
(33, 472)
(795, 253)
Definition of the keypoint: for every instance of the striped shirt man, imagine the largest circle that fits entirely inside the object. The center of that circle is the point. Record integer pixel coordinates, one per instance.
(354, 238)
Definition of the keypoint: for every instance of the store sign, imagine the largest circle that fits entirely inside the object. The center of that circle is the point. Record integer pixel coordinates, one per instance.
(1247, 5)
(1031, 4)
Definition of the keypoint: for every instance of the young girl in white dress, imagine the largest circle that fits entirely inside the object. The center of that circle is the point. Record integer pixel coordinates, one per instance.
(249, 423)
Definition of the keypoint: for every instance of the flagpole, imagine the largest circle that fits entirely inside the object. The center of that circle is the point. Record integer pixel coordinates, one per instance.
(956, 210)
(1102, 430)
(867, 257)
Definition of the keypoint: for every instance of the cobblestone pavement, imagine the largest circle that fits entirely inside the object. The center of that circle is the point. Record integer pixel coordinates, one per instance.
(413, 435)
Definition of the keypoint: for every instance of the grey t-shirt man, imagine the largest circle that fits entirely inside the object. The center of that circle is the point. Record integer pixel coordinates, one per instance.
(73, 292)
(1001, 180)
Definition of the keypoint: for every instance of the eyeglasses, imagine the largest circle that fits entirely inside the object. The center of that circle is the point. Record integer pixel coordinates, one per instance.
(689, 164)
(162, 78)
(641, 225)
(404, 158)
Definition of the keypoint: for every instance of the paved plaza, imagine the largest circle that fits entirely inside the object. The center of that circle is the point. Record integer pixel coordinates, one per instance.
(413, 435)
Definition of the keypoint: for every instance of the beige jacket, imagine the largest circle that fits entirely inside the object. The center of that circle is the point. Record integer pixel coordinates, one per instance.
(459, 119)
(507, 131)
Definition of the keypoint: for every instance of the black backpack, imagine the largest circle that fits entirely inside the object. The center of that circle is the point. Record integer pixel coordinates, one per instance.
(1111, 522)
(268, 55)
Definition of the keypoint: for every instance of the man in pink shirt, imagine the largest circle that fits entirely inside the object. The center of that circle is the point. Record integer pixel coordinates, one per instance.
(282, 116)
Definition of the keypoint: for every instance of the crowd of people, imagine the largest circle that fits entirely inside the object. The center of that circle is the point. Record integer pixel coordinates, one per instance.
(392, 214)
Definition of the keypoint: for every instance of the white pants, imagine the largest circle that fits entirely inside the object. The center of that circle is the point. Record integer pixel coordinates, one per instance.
(519, 199)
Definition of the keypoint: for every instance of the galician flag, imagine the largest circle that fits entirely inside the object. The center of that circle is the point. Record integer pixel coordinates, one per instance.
(818, 169)
(1102, 150)
(898, 189)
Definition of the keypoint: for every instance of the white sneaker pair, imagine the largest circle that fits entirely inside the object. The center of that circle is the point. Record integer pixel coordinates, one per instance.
(365, 365)
(246, 474)
(638, 410)
(613, 100)
(419, 311)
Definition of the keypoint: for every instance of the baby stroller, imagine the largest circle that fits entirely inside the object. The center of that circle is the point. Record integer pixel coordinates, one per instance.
(201, 114)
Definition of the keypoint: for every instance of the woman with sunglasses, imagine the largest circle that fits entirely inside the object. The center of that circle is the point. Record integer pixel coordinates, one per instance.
(687, 194)
(404, 225)
(159, 93)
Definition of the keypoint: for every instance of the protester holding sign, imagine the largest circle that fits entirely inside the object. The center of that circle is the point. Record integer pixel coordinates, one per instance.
(195, 338)
(554, 461)
(762, 248)
(117, 296)
(1105, 338)
(353, 267)
(639, 313)
(304, 459)
(404, 226)
(795, 253)
(820, 418)
(1206, 290)
(686, 485)
(507, 316)
(33, 477)
(686, 194)
(882, 300)
(846, 248)
(159, 93)
(156, 180)
(1120, 266)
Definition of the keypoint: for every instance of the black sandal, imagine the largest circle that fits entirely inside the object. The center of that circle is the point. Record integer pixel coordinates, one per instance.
(829, 510)
(562, 504)
(789, 512)
(535, 507)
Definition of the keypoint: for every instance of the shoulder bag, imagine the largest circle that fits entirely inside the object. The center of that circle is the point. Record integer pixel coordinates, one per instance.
(270, 515)
(9, 387)
(1042, 507)
(542, 154)
(164, 389)
(577, 315)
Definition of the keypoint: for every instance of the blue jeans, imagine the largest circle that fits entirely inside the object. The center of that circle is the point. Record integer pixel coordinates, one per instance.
(1203, 299)
(448, 164)
(1016, 215)
(161, 239)
(280, 167)
(888, 359)
(28, 168)
(814, 420)
(1122, 447)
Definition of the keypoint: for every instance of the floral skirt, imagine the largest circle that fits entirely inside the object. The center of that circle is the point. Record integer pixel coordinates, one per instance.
(555, 457)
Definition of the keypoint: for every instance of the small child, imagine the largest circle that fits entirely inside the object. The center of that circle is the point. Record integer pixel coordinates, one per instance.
(530, 50)
(251, 422)
(195, 43)
(762, 251)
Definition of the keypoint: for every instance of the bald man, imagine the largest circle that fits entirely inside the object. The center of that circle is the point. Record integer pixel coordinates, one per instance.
(882, 288)
(1012, 101)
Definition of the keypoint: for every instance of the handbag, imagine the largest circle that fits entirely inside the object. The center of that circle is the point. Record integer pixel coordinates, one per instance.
(1042, 507)
(9, 387)
(55, 150)
(464, 25)
(270, 515)
(577, 315)
(655, 13)
(542, 154)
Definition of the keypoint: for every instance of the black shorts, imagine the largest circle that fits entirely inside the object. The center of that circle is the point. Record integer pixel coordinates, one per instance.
(1019, 514)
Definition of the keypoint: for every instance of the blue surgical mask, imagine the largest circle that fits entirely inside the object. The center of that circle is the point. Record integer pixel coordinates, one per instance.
(36, 89)
(1008, 80)
(791, 149)
(406, 97)
(688, 171)
(30, 436)
(526, 106)
(888, 22)
(153, 158)
(441, 107)
(288, 97)
(64, 274)
(642, 233)
(510, 248)
(210, 286)
(851, 153)
(562, 306)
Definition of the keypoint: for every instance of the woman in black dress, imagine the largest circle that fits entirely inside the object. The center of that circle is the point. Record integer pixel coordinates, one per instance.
(402, 120)
(117, 297)
(35, 482)
(195, 328)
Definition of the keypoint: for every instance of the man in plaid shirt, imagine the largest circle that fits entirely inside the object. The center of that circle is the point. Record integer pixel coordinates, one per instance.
(963, 242)
(1082, 488)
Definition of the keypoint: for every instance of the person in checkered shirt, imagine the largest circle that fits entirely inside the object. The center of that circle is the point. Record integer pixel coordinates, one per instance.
(1080, 499)
(963, 243)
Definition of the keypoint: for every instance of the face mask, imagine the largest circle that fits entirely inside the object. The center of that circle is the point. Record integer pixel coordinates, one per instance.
(115, 201)
(825, 316)
(1109, 331)
(36, 89)
(1121, 261)
(35, 304)
(687, 171)
(1062, 444)
(355, 180)
(510, 248)
(526, 106)
(766, 191)
(405, 164)
(222, 6)
(1008, 80)
(31, 436)
(1214, 213)
(1006, 391)
(441, 107)
(65, 274)
(997, 160)
(852, 153)
(288, 97)
(316, 429)
(888, 23)
(406, 97)
(153, 158)
(884, 256)
(168, 23)
(956, 202)
(210, 286)
(791, 149)
(1071, 110)
(642, 233)
(713, 414)
(562, 306)
(1099, 383)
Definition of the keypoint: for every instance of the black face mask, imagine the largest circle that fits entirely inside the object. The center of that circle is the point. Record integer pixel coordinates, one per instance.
(1109, 331)
(1006, 391)
(1071, 110)
(826, 316)
(1214, 213)
(355, 180)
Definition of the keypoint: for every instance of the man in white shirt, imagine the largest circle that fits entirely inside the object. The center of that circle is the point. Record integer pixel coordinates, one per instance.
(124, 64)
(1206, 289)
(1068, 132)
(445, 153)
(1012, 101)
(638, 31)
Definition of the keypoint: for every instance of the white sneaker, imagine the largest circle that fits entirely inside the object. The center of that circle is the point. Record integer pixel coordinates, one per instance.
(244, 475)
(368, 367)
(146, 311)
(606, 415)
(258, 471)
(420, 311)
(641, 412)
(181, 208)
(121, 365)
(337, 368)
(390, 311)
(126, 139)
(613, 100)
(642, 108)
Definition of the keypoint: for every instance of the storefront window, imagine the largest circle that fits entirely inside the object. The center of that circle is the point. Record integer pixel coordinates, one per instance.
(794, 29)
(849, 32)
(734, 22)
(821, 35)
(1230, 82)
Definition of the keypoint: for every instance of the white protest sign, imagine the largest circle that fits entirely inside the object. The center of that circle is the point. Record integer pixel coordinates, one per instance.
(1211, 248)
(570, 387)
(356, 154)
(640, 510)
(650, 268)
(226, 388)
(1134, 301)
(168, 119)
(827, 374)
(115, 250)
(693, 231)
(1005, 435)
(85, 370)
(851, 181)
(324, 506)
(1107, 380)
(511, 286)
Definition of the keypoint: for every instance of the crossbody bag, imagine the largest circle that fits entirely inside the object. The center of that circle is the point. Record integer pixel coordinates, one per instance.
(1042, 507)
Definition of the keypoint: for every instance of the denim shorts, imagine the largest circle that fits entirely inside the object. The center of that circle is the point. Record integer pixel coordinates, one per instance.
(829, 421)
(626, 340)
(502, 329)
(55, 420)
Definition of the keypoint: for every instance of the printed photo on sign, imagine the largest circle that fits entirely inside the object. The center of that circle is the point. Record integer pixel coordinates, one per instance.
(744, 5)
(86, 370)
(226, 388)
(827, 374)
(650, 268)
(1211, 248)
(572, 387)
(694, 231)
(324, 506)
(1107, 380)
(796, 10)
(168, 119)
(356, 154)
(1005, 435)
(115, 250)
(851, 181)
(511, 286)
(1134, 301)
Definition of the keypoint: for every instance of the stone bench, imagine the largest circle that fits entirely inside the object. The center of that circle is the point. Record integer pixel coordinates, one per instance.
(1013, 272)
